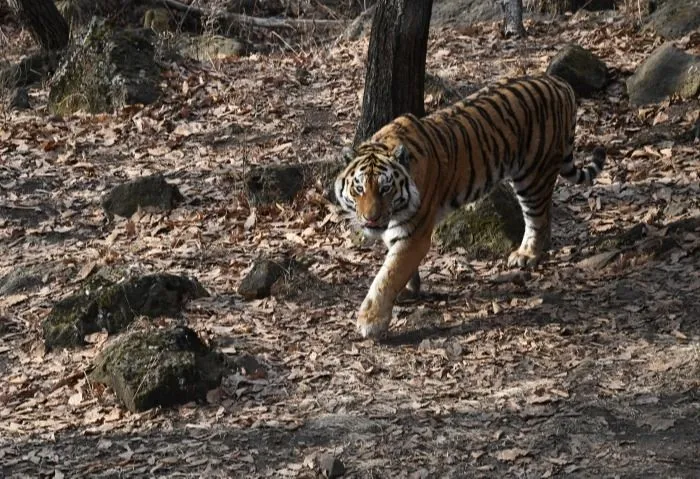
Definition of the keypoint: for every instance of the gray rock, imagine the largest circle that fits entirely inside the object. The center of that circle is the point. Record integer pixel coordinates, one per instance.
(584, 71)
(159, 368)
(107, 70)
(676, 18)
(330, 466)
(259, 281)
(281, 183)
(102, 305)
(26, 278)
(148, 191)
(668, 71)
(464, 12)
(19, 99)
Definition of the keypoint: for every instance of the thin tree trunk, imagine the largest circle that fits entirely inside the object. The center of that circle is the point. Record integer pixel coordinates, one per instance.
(44, 20)
(395, 64)
(513, 18)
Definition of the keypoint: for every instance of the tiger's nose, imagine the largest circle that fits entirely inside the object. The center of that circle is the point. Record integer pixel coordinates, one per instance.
(372, 217)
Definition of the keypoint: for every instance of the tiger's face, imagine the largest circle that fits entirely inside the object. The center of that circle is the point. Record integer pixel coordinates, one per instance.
(376, 187)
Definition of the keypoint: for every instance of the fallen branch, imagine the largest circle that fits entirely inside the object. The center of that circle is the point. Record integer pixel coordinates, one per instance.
(246, 20)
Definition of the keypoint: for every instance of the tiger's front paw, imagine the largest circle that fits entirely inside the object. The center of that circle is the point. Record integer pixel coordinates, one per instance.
(372, 322)
(522, 259)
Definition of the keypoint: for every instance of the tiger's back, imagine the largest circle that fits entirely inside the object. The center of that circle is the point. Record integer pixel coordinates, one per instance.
(521, 129)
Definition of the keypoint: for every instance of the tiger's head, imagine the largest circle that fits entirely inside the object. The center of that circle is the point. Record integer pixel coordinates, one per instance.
(376, 186)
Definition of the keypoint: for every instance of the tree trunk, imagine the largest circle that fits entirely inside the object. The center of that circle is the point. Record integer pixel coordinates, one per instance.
(513, 18)
(44, 20)
(395, 64)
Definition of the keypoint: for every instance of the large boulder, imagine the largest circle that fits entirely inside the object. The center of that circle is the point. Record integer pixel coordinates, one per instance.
(676, 18)
(107, 70)
(668, 71)
(584, 71)
(102, 305)
(146, 369)
(489, 229)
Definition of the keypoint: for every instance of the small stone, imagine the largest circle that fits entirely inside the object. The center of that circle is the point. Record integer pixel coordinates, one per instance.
(251, 367)
(330, 466)
(20, 99)
(148, 191)
(258, 282)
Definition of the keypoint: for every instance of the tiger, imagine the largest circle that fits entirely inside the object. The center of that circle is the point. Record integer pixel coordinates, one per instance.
(409, 175)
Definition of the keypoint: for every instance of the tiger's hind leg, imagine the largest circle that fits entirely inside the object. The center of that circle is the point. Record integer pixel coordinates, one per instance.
(536, 203)
(412, 289)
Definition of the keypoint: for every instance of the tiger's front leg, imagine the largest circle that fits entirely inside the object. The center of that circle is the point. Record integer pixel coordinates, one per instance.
(400, 265)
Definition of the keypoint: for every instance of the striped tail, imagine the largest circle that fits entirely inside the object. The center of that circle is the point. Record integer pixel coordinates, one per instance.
(586, 174)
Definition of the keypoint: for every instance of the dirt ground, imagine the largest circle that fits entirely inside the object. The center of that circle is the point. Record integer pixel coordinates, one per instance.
(565, 371)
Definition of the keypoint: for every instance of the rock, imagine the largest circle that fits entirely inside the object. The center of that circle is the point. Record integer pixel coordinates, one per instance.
(276, 183)
(676, 18)
(584, 71)
(250, 366)
(148, 191)
(556, 7)
(146, 369)
(19, 99)
(668, 71)
(464, 12)
(206, 48)
(445, 92)
(103, 305)
(490, 228)
(265, 273)
(282, 183)
(330, 466)
(286, 278)
(158, 19)
(26, 278)
(30, 70)
(107, 70)
(361, 26)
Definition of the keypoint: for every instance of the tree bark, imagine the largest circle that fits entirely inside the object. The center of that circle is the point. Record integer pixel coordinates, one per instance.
(513, 18)
(395, 64)
(44, 20)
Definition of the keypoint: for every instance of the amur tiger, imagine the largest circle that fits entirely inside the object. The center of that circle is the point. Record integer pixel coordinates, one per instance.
(400, 183)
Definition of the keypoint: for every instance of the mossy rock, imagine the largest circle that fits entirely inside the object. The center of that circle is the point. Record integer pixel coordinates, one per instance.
(206, 48)
(489, 229)
(159, 368)
(585, 72)
(102, 305)
(107, 70)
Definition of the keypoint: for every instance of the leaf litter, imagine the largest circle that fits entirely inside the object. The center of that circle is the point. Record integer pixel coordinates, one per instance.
(577, 368)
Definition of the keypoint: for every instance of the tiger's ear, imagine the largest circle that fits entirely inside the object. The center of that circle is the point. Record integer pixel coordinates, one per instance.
(348, 154)
(402, 156)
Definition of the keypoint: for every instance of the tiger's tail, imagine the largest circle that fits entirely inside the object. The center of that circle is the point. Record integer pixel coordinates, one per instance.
(585, 174)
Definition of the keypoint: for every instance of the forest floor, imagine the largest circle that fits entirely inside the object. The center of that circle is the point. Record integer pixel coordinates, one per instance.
(567, 370)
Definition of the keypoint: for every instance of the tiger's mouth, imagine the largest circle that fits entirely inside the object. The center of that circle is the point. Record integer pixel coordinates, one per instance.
(375, 225)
